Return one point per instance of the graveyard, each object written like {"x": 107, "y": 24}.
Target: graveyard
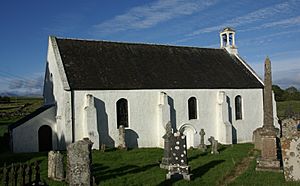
{"x": 233, "y": 165}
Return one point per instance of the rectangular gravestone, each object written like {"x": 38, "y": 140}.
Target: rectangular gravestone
{"x": 167, "y": 145}
{"x": 79, "y": 163}
{"x": 178, "y": 164}
{"x": 290, "y": 147}
{"x": 55, "y": 166}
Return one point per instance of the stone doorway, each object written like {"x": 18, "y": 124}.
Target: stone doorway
{"x": 45, "y": 138}
{"x": 189, "y": 131}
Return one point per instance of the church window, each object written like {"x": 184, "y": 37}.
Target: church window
{"x": 238, "y": 108}
{"x": 122, "y": 112}
{"x": 192, "y": 108}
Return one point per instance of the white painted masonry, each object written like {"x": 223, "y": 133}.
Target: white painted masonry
{"x": 92, "y": 113}
{"x": 25, "y": 136}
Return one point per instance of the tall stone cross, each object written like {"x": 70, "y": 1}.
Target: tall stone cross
{"x": 202, "y": 146}
{"x": 167, "y": 147}
{"x": 265, "y": 137}
{"x": 268, "y": 101}
{"x": 268, "y": 128}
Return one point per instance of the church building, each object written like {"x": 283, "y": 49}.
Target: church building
{"x": 92, "y": 87}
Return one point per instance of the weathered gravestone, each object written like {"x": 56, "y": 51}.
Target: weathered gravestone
{"x": 202, "y": 146}
{"x": 167, "y": 147}
{"x": 178, "y": 167}
{"x": 268, "y": 128}
{"x": 290, "y": 147}
{"x": 214, "y": 145}
{"x": 79, "y": 163}
{"x": 265, "y": 137}
{"x": 122, "y": 142}
{"x": 55, "y": 165}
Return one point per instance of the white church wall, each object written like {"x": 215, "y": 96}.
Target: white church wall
{"x": 25, "y": 136}
{"x": 55, "y": 91}
{"x": 144, "y": 107}
{"x": 252, "y": 113}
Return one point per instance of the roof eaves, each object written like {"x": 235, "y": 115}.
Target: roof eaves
{"x": 30, "y": 116}
{"x": 249, "y": 68}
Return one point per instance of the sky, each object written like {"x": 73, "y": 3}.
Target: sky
{"x": 263, "y": 28}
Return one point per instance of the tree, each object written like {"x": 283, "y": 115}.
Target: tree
{"x": 291, "y": 90}
{"x": 278, "y": 93}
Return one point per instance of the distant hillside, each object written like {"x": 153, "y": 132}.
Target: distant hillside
{"x": 20, "y": 94}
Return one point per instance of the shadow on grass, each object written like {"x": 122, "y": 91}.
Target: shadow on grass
{"x": 101, "y": 175}
{"x": 197, "y": 156}
{"x": 10, "y": 158}
{"x": 198, "y": 172}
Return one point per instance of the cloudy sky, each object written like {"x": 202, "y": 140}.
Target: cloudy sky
{"x": 263, "y": 28}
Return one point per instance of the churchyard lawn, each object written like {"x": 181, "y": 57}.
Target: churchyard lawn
{"x": 235, "y": 165}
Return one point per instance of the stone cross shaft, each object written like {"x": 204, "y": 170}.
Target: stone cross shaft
{"x": 268, "y": 102}
{"x": 202, "y": 133}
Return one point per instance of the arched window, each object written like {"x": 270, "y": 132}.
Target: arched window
{"x": 192, "y": 106}
{"x": 122, "y": 112}
{"x": 238, "y": 108}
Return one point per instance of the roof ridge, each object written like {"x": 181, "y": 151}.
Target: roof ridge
{"x": 136, "y": 43}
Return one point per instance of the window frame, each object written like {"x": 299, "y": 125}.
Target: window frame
{"x": 192, "y": 108}
{"x": 122, "y": 117}
{"x": 238, "y": 106}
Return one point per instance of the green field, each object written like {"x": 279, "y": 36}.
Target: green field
{"x": 235, "y": 165}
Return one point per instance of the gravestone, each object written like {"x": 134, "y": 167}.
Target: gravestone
{"x": 265, "y": 138}
{"x": 202, "y": 146}
{"x": 103, "y": 147}
{"x": 214, "y": 145}
{"x": 79, "y": 163}
{"x": 268, "y": 128}
{"x": 178, "y": 167}
{"x": 122, "y": 143}
{"x": 55, "y": 166}
{"x": 290, "y": 147}
{"x": 167, "y": 146}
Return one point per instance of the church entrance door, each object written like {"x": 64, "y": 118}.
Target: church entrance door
{"x": 189, "y": 133}
{"x": 45, "y": 138}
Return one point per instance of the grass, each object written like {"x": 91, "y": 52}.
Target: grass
{"x": 141, "y": 166}
{"x": 252, "y": 177}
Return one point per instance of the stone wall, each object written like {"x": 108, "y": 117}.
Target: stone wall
{"x": 290, "y": 147}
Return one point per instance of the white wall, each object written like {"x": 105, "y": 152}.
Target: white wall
{"x": 143, "y": 114}
{"x": 54, "y": 92}
{"x": 25, "y": 136}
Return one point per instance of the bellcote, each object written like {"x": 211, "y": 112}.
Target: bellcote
{"x": 227, "y": 38}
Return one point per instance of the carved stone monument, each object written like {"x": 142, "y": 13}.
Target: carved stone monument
{"x": 122, "y": 143}
{"x": 268, "y": 128}
{"x": 265, "y": 137}
{"x": 55, "y": 165}
{"x": 79, "y": 163}
{"x": 214, "y": 145}
{"x": 167, "y": 146}
{"x": 202, "y": 146}
{"x": 178, "y": 167}
{"x": 290, "y": 147}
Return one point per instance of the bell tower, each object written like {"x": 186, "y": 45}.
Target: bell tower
{"x": 227, "y": 38}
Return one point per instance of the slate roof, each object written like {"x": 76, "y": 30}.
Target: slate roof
{"x": 29, "y": 116}
{"x": 103, "y": 65}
